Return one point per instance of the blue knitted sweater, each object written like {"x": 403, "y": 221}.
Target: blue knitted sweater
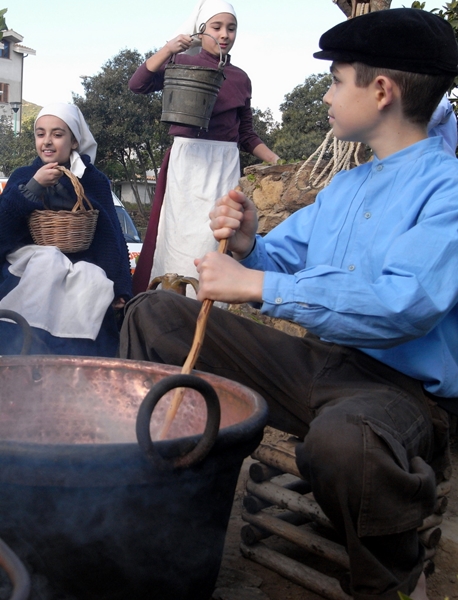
{"x": 108, "y": 249}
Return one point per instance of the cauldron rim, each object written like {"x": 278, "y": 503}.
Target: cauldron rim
{"x": 111, "y": 463}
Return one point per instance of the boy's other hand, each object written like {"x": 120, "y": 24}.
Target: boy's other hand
{"x": 48, "y": 175}
{"x": 223, "y": 279}
{"x": 234, "y": 216}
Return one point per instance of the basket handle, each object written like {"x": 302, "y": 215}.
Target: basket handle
{"x": 79, "y": 190}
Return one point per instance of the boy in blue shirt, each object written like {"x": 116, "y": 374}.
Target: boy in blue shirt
{"x": 371, "y": 271}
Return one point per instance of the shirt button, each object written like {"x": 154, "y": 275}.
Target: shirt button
{"x": 278, "y": 300}
{"x": 380, "y": 168}
{"x": 367, "y": 215}
{"x": 351, "y": 267}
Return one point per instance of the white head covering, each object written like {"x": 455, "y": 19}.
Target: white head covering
{"x": 204, "y": 10}
{"x": 73, "y": 117}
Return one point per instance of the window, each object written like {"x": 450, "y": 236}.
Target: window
{"x": 5, "y": 51}
{"x": 4, "y": 92}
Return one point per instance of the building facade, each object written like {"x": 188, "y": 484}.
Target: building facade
{"x": 12, "y": 56}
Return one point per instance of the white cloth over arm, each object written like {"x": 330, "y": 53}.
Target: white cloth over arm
{"x": 443, "y": 123}
{"x": 67, "y": 300}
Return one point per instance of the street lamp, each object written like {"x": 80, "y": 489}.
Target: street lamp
{"x": 15, "y": 106}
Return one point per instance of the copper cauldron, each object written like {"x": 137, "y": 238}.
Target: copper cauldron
{"x": 101, "y": 516}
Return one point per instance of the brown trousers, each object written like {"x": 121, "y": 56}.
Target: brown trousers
{"x": 369, "y": 434}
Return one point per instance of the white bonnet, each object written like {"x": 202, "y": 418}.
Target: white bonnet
{"x": 204, "y": 10}
{"x": 73, "y": 117}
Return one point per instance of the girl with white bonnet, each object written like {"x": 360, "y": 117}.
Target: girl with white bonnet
{"x": 70, "y": 300}
{"x": 201, "y": 165}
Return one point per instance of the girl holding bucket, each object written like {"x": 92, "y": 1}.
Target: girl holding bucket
{"x": 201, "y": 165}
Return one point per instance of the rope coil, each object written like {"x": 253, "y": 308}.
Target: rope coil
{"x": 343, "y": 154}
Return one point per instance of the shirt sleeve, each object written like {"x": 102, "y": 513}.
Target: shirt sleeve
{"x": 404, "y": 301}
{"x": 249, "y": 139}
{"x": 146, "y": 82}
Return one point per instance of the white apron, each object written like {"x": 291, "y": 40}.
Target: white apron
{"x": 199, "y": 172}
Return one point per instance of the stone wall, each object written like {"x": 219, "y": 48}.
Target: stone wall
{"x": 274, "y": 191}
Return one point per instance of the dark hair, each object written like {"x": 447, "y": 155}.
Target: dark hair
{"x": 420, "y": 93}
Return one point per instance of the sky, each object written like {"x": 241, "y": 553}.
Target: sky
{"x": 275, "y": 41}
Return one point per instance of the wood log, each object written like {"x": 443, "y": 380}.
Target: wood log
{"x": 304, "y": 537}
{"x": 260, "y": 472}
{"x": 441, "y": 505}
{"x": 428, "y": 567}
{"x": 251, "y": 534}
{"x": 430, "y": 538}
{"x": 429, "y": 553}
{"x": 443, "y": 488}
{"x": 254, "y": 504}
{"x": 431, "y": 521}
{"x": 278, "y": 458}
{"x": 317, "y": 582}
{"x": 289, "y": 499}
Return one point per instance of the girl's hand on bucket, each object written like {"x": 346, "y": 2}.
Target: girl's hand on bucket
{"x": 181, "y": 43}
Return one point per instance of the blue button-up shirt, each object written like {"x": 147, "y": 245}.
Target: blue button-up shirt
{"x": 373, "y": 264}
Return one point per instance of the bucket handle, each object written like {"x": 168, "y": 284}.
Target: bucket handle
{"x": 222, "y": 63}
{"x": 206, "y": 441}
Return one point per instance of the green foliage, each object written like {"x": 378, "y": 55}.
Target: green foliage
{"x": 449, "y": 12}
{"x": 3, "y": 25}
{"x": 130, "y": 136}
{"x": 304, "y": 119}
{"x": 266, "y": 127}
{"x": 15, "y": 150}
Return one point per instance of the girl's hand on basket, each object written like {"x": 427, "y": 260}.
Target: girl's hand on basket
{"x": 181, "y": 43}
{"x": 48, "y": 175}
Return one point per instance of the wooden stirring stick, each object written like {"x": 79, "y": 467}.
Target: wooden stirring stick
{"x": 194, "y": 352}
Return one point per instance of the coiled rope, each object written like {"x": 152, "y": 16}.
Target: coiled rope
{"x": 343, "y": 154}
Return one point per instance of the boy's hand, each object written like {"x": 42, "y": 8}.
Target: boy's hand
{"x": 48, "y": 175}
{"x": 223, "y": 279}
{"x": 234, "y": 217}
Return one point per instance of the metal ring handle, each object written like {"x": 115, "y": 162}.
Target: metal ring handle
{"x": 222, "y": 62}
{"x": 23, "y": 324}
{"x": 16, "y": 572}
{"x": 208, "y": 438}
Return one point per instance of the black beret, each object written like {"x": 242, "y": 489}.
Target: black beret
{"x": 405, "y": 39}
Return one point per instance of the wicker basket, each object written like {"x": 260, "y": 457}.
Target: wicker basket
{"x": 69, "y": 230}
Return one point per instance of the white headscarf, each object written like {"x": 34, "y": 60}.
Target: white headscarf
{"x": 204, "y": 10}
{"x": 73, "y": 117}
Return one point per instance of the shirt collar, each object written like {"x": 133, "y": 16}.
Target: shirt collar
{"x": 426, "y": 146}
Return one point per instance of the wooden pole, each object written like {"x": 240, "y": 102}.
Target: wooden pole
{"x": 288, "y": 499}
{"x": 282, "y": 459}
{"x": 317, "y": 582}
{"x": 251, "y": 534}
{"x": 253, "y": 504}
{"x": 192, "y": 356}
{"x": 303, "y": 536}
